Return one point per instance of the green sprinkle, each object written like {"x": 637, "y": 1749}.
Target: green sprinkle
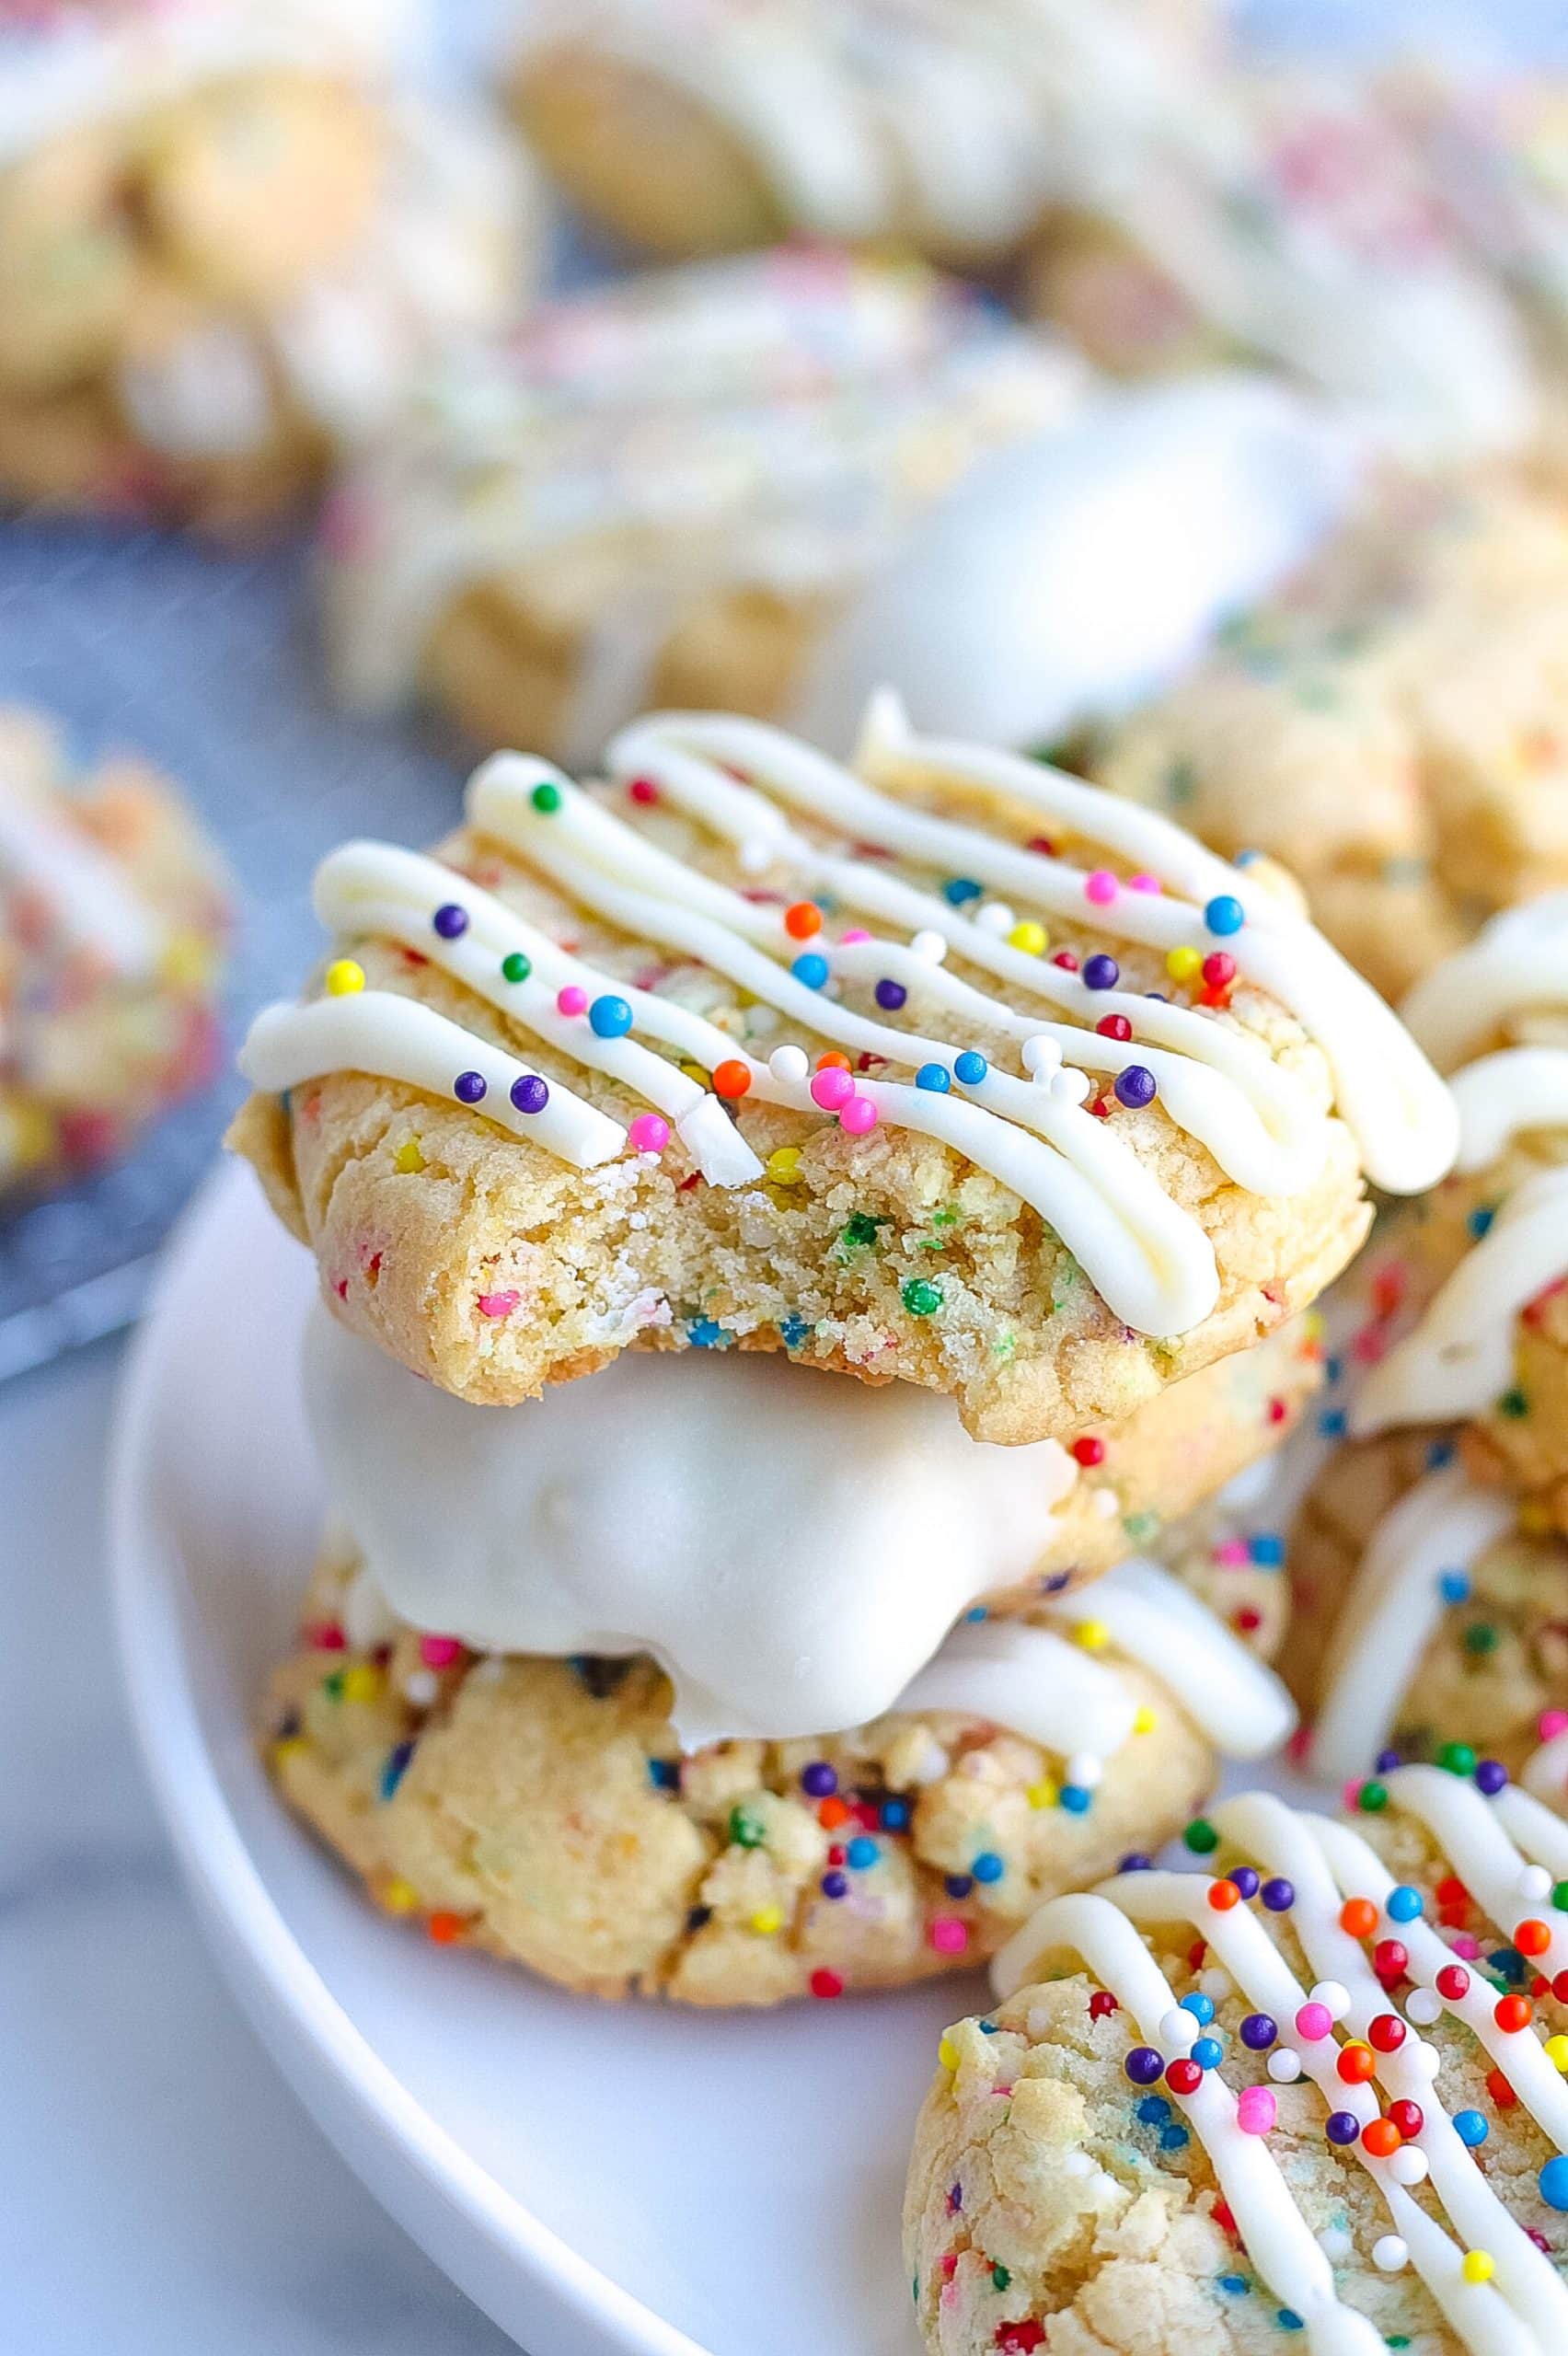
{"x": 1514, "y": 1403}
{"x": 944, "y": 1218}
{"x": 1201, "y": 1837}
{"x": 333, "y": 1685}
{"x": 747, "y": 1830}
{"x": 1180, "y": 782}
{"x": 1481, "y": 1637}
{"x": 1005, "y": 1345}
{"x": 1000, "y": 2277}
{"x": 1458, "y": 1757}
{"x": 546, "y": 800}
{"x": 1140, "y": 1527}
{"x": 1560, "y": 1895}
{"x": 517, "y": 967}
{"x": 920, "y": 1298}
{"x": 857, "y": 1230}
{"x": 1373, "y": 1798}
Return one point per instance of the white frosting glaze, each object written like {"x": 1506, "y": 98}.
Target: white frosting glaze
{"x": 793, "y": 1557}
{"x": 1152, "y": 1261}
{"x": 1545, "y": 1773}
{"x": 88, "y": 899}
{"x": 1393, "y": 1611}
{"x": 1493, "y": 1847}
{"x": 1518, "y": 960}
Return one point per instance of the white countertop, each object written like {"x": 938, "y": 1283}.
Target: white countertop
{"x": 161, "y": 2192}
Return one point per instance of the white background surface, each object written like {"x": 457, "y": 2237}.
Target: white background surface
{"x": 161, "y": 2191}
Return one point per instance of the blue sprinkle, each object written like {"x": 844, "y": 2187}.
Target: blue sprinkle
{"x": 1267, "y": 1547}
{"x": 1235, "y": 2283}
{"x": 1199, "y": 2006}
{"x": 1441, "y": 1452}
{"x": 1246, "y": 858}
{"x": 794, "y": 1330}
{"x": 1470, "y": 2127}
{"x": 1075, "y": 1799}
{"x": 1479, "y": 1219}
{"x": 1454, "y": 1586}
{"x": 1402, "y": 1904}
{"x": 1508, "y": 1963}
{"x": 664, "y": 1774}
{"x": 896, "y": 1816}
{"x": 935, "y": 1077}
{"x": 609, "y": 1017}
{"x": 1154, "y": 2111}
{"x": 811, "y": 969}
{"x": 1334, "y": 1424}
{"x": 988, "y": 1866}
{"x": 862, "y": 1851}
{"x": 1207, "y": 2052}
{"x": 1171, "y": 2138}
{"x": 836, "y": 1885}
{"x": 959, "y": 888}
{"x": 707, "y": 1333}
{"x": 976, "y": 1612}
{"x": 1289, "y": 2320}
{"x": 970, "y": 1067}
{"x": 1553, "y": 2182}
{"x": 392, "y": 1773}
{"x": 1225, "y": 913}
{"x": 988, "y": 2028}
{"x": 1333, "y": 1369}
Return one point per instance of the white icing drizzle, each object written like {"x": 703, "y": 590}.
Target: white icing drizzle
{"x": 1459, "y": 1359}
{"x": 793, "y": 1557}
{"x": 1545, "y": 1773}
{"x": 89, "y": 900}
{"x": 1519, "y": 959}
{"x": 1502, "y": 1095}
{"x": 1393, "y": 1611}
{"x": 1493, "y": 1847}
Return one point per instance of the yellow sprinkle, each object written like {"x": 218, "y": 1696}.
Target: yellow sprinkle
{"x": 31, "y": 1139}
{"x": 783, "y": 1165}
{"x": 363, "y": 1683}
{"x": 947, "y": 2054}
{"x": 1046, "y": 1793}
{"x": 1145, "y": 1721}
{"x": 344, "y": 977}
{"x": 766, "y": 1921}
{"x": 1312, "y": 1326}
{"x": 1031, "y": 938}
{"x": 1556, "y": 2051}
{"x": 407, "y": 1158}
{"x": 1092, "y": 1634}
{"x": 293, "y": 1746}
{"x": 1535, "y": 1519}
{"x": 699, "y": 1072}
{"x": 399, "y": 1897}
{"x": 1477, "y": 2266}
{"x": 1181, "y": 965}
{"x": 188, "y": 959}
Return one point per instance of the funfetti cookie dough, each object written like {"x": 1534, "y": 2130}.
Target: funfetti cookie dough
{"x": 629, "y": 1062}
{"x": 227, "y": 238}
{"x": 113, "y": 914}
{"x": 1309, "y": 2095}
{"x": 1390, "y": 726}
{"x": 666, "y": 491}
{"x": 547, "y": 1811}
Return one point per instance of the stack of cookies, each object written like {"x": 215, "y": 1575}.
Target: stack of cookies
{"x": 784, "y": 1228}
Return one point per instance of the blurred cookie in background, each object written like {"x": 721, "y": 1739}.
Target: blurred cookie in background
{"x": 666, "y": 491}
{"x": 113, "y": 917}
{"x": 226, "y": 237}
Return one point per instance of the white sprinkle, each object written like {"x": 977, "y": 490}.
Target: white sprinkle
{"x": 1335, "y": 2244}
{"x": 1077, "y": 2164}
{"x": 1217, "y": 1985}
{"x": 1535, "y": 1883}
{"x": 789, "y": 1065}
{"x": 1178, "y": 2030}
{"x": 1333, "y": 1997}
{"x": 1424, "y": 2006}
{"x": 995, "y": 917}
{"x": 1084, "y": 1768}
{"x": 1408, "y": 2166}
{"x": 1071, "y": 1085}
{"x": 1390, "y": 2254}
{"x": 1284, "y": 2067}
{"x": 1041, "y": 1056}
{"x": 930, "y": 946}
{"x": 489, "y": 1671}
{"x": 753, "y": 857}
{"x": 421, "y": 1687}
{"x": 1426, "y": 2058}
{"x": 1104, "y": 1502}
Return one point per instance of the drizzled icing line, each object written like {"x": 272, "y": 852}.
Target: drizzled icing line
{"x": 1508, "y": 1852}
{"x": 87, "y": 897}
{"x": 1150, "y": 1261}
{"x": 1519, "y": 959}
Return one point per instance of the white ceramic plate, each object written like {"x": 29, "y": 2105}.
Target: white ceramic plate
{"x": 600, "y": 2179}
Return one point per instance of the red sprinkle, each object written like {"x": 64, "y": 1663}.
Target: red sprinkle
{"x": 1089, "y": 1450}
{"x": 826, "y": 1983}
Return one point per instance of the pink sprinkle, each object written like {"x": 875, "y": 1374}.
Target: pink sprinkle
{"x": 1551, "y": 1724}
{"x": 832, "y": 1087}
{"x": 1368, "y": 1345}
{"x": 439, "y": 1652}
{"x": 1101, "y": 886}
{"x": 1350, "y": 1793}
{"x": 1314, "y": 2022}
{"x": 1144, "y": 884}
{"x": 571, "y": 999}
{"x": 858, "y": 1116}
{"x": 326, "y": 1636}
{"x": 1467, "y": 1947}
{"x": 856, "y": 932}
{"x": 1232, "y": 1553}
{"x": 1255, "y": 2111}
{"x": 498, "y": 1304}
{"x": 649, "y": 1132}
{"x": 948, "y": 1935}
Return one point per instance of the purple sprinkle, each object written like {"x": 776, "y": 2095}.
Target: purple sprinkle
{"x": 1135, "y": 1087}
{"x": 891, "y": 994}
{"x": 959, "y": 1884}
{"x": 834, "y": 1885}
{"x": 1342, "y": 2127}
{"x": 820, "y": 1779}
{"x": 1144, "y": 2065}
{"x": 1247, "y": 1879}
{"x": 530, "y": 1094}
{"x": 1100, "y": 973}
{"x": 1387, "y": 1761}
{"x": 1136, "y": 1861}
{"x": 1491, "y": 1775}
{"x": 470, "y": 1088}
{"x": 1278, "y": 1894}
{"x": 1258, "y": 2032}
{"x": 450, "y": 920}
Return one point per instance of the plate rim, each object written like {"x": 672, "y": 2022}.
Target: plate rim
{"x": 265, "y": 1969}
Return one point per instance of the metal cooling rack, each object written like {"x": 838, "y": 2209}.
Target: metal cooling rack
{"x": 207, "y": 663}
